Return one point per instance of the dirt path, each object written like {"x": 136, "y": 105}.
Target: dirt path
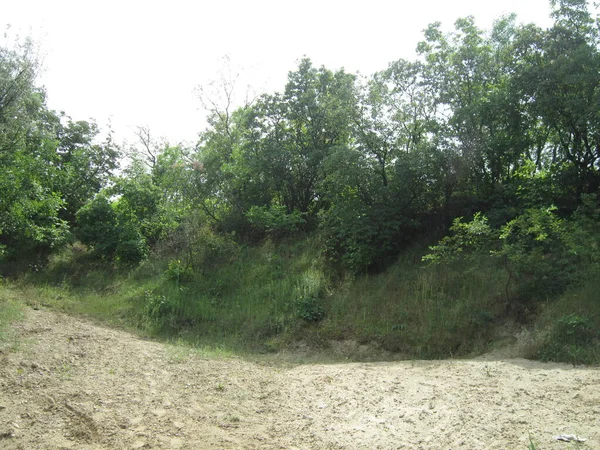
{"x": 75, "y": 385}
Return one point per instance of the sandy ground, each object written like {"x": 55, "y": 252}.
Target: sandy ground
{"x": 75, "y": 385}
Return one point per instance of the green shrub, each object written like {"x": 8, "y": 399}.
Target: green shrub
{"x": 97, "y": 226}
{"x": 275, "y": 220}
{"x": 160, "y": 309}
{"x": 310, "y": 309}
{"x": 110, "y": 232}
{"x": 178, "y": 271}
{"x": 572, "y": 339}
{"x": 541, "y": 253}
{"x": 132, "y": 247}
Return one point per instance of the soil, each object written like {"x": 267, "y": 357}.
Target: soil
{"x": 75, "y": 385}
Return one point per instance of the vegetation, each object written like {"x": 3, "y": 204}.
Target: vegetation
{"x": 11, "y": 310}
{"x": 420, "y": 209}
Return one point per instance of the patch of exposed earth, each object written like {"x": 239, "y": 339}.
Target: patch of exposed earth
{"x": 77, "y": 385}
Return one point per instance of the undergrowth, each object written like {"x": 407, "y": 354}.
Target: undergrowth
{"x": 568, "y": 329}
{"x": 11, "y": 311}
{"x": 275, "y": 296}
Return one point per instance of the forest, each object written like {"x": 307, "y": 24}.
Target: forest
{"x": 432, "y": 209}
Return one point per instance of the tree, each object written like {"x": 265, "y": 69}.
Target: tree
{"x": 29, "y": 206}
{"x": 271, "y": 152}
{"x": 560, "y": 81}
{"x": 85, "y": 165}
{"x": 480, "y": 108}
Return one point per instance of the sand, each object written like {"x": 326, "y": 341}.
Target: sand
{"x": 72, "y": 384}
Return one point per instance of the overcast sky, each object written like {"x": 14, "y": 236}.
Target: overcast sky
{"x": 138, "y": 62}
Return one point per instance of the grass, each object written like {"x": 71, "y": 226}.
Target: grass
{"x": 532, "y": 445}
{"x": 237, "y": 304}
{"x": 423, "y": 312}
{"x": 11, "y": 311}
{"x": 180, "y": 350}
{"x": 272, "y": 297}
{"x": 568, "y": 329}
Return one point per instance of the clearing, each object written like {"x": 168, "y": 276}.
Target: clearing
{"x": 75, "y": 385}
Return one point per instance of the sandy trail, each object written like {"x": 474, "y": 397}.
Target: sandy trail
{"x": 76, "y": 385}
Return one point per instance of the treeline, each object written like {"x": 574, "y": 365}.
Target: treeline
{"x": 500, "y": 127}
{"x": 50, "y": 166}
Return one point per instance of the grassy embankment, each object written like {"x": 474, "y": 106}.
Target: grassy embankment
{"x": 278, "y": 296}
{"x": 11, "y": 310}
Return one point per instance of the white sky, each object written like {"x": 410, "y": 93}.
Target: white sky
{"x": 138, "y": 62}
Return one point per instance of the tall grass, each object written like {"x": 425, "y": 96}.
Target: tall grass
{"x": 426, "y": 312}
{"x": 11, "y": 311}
{"x": 270, "y": 296}
{"x": 242, "y": 301}
{"x": 568, "y": 329}
{"x": 250, "y": 299}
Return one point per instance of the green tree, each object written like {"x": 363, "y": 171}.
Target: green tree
{"x": 271, "y": 152}
{"x": 29, "y": 204}
{"x": 85, "y": 165}
{"x": 560, "y": 81}
{"x": 481, "y": 117}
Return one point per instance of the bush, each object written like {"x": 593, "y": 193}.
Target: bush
{"x": 572, "y": 339}
{"x": 541, "y": 253}
{"x": 178, "y": 271}
{"x": 361, "y": 237}
{"x": 119, "y": 230}
{"x": 159, "y": 309}
{"x": 97, "y": 226}
{"x": 275, "y": 220}
{"x": 310, "y": 310}
{"x": 132, "y": 247}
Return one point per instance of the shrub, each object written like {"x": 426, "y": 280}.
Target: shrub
{"x": 310, "y": 309}
{"x": 275, "y": 220}
{"x": 161, "y": 310}
{"x": 178, "y": 271}
{"x": 538, "y": 251}
{"x": 132, "y": 247}
{"x": 572, "y": 339}
{"x": 97, "y": 226}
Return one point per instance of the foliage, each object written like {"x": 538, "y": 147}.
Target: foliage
{"x": 537, "y": 250}
{"x": 367, "y": 222}
{"x": 85, "y": 164}
{"x": 50, "y": 165}
{"x": 471, "y": 239}
{"x": 487, "y": 142}
{"x": 98, "y": 226}
{"x": 311, "y": 310}
{"x": 159, "y": 308}
{"x": 132, "y": 246}
{"x": 178, "y": 271}
{"x": 572, "y": 339}
{"x": 110, "y": 231}
{"x": 274, "y": 220}
{"x": 206, "y": 249}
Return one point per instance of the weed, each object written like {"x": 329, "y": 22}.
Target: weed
{"x": 11, "y": 311}
{"x": 310, "y": 310}
{"x": 159, "y": 307}
{"x": 488, "y": 370}
{"x": 573, "y": 337}
{"x": 178, "y": 271}
{"x": 532, "y": 445}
